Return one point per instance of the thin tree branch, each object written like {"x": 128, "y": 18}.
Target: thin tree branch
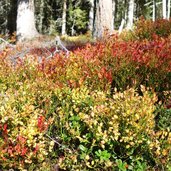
{"x": 55, "y": 141}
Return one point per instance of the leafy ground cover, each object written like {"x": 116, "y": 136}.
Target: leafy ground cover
{"x": 105, "y": 106}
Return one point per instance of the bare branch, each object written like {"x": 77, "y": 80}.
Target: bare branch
{"x": 3, "y": 40}
{"x": 6, "y": 43}
{"x": 55, "y": 141}
{"x": 60, "y": 44}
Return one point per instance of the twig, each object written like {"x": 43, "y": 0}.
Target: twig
{"x": 6, "y": 42}
{"x": 3, "y": 40}
{"x": 51, "y": 54}
{"x": 58, "y": 44}
{"x": 57, "y": 142}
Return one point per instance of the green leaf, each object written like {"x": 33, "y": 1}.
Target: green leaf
{"x": 83, "y": 148}
{"x": 74, "y": 118}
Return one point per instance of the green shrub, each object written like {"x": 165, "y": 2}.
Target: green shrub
{"x": 94, "y": 130}
{"x": 163, "y": 118}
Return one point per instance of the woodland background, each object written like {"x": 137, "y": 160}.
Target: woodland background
{"x": 75, "y": 17}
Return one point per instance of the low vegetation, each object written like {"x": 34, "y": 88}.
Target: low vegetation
{"x": 104, "y": 106}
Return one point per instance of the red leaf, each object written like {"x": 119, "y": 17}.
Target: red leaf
{"x": 36, "y": 149}
{"x": 24, "y": 151}
{"x": 5, "y": 129}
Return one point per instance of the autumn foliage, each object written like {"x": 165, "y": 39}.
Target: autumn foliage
{"x": 105, "y": 106}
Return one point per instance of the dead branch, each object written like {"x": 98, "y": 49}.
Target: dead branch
{"x": 6, "y": 42}
{"x": 61, "y": 45}
{"x": 56, "y": 142}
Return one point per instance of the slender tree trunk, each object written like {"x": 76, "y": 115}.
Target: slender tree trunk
{"x": 103, "y": 18}
{"x": 130, "y": 14}
{"x": 6, "y": 17}
{"x": 164, "y": 9}
{"x": 91, "y": 16}
{"x": 114, "y": 10}
{"x": 64, "y": 17}
{"x": 168, "y": 11}
{"x": 121, "y": 26}
{"x": 41, "y": 16}
{"x": 12, "y": 17}
{"x": 26, "y": 28}
{"x": 72, "y": 28}
{"x": 124, "y": 17}
{"x": 115, "y": 13}
{"x": 154, "y": 10}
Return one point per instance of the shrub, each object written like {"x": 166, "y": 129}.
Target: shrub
{"x": 87, "y": 110}
{"x": 94, "y": 130}
{"x": 163, "y": 117}
{"x": 116, "y": 63}
{"x": 146, "y": 29}
{"x": 22, "y": 127}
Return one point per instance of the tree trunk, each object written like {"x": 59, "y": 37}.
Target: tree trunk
{"x": 168, "y": 11}
{"x": 40, "y": 25}
{"x": 121, "y": 26}
{"x": 4, "y": 7}
{"x": 164, "y": 9}
{"x": 91, "y": 15}
{"x": 103, "y": 18}
{"x": 115, "y": 13}
{"x": 154, "y": 10}
{"x": 114, "y": 10}
{"x": 64, "y": 17}
{"x": 124, "y": 17}
{"x": 12, "y": 17}
{"x": 26, "y": 28}
{"x": 130, "y": 14}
